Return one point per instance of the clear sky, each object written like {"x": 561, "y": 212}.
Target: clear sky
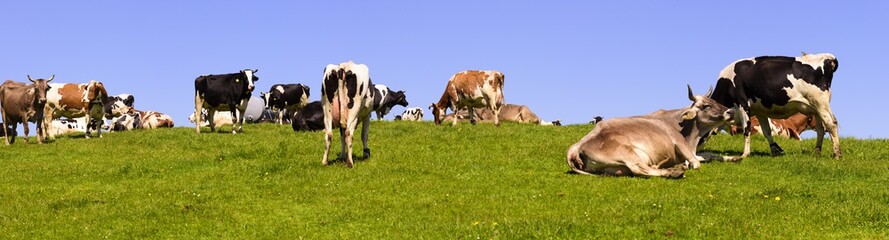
{"x": 568, "y": 60}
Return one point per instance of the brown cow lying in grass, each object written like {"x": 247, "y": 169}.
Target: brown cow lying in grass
{"x": 508, "y": 112}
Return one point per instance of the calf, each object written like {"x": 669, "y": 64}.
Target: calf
{"x": 468, "y": 90}
{"x": 657, "y": 144}
{"x": 310, "y": 118}
{"x": 23, "y": 103}
{"x": 384, "y": 99}
{"x": 224, "y": 92}
{"x": 290, "y": 97}
{"x": 412, "y": 114}
{"x": 73, "y": 100}
{"x": 778, "y": 87}
{"x": 346, "y": 102}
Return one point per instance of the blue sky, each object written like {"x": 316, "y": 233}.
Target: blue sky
{"x": 566, "y": 60}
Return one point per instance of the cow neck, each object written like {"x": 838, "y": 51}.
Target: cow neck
{"x": 689, "y": 129}
{"x": 444, "y": 102}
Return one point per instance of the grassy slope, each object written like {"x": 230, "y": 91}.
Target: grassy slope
{"x": 428, "y": 181}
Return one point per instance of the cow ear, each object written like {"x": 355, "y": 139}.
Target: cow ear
{"x": 689, "y": 114}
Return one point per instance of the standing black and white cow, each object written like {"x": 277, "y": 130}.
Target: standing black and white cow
{"x": 384, "y": 99}
{"x": 223, "y": 92}
{"x": 778, "y": 87}
{"x": 346, "y": 99}
{"x": 290, "y": 97}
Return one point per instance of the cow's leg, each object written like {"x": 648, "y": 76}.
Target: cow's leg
{"x": 47, "y": 121}
{"x": 328, "y": 129}
{"x": 198, "y": 105}
{"x": 767, "y": 132}
{"x": 690, "y": 156}
{"x": 744, "y": 119}
{"x": 25, "y": 126}
{"x": 281, "y": 117}
{"x": 5, "y": 127}
{"x": 365, "y": 126}
{"x": 87, "y": 121}
{"x": 237, "y": 115}
{"x": 471, "y": 111}
{"x": 639, "y": 166}
{"x": 346, "y": 143}
{"x": 496, "y": 110}
{"x": 825, "y": 121}
{"x": 210, "y": 116}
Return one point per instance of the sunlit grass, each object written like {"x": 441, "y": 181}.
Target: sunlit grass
{"x": 426, "y": 181}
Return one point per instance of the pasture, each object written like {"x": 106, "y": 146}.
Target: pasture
{"x": 426, "y": 181}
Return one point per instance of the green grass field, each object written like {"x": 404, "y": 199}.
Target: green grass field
{"x": 426, "y": 181}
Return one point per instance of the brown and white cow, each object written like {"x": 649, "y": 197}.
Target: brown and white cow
{"x": 73, "y": 100}
{"x": 471, "y": 89}
{"x": 791, "y": 127}
{"x": 509, "y": 113}
{"x": 220, "y": 119}
{"x": 23, "y": 103}
{"x": 346, "y": 101}
{"x": 658, "y": 144}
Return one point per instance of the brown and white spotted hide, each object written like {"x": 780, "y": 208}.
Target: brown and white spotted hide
{"x": 792, "y": 127}
{"x": 468, "y": 90}
{"x": 345, "y": 98}
{"x": 23, "y": 103}
{"x": 73, "y": 100}
{"x": 660, "y": 144}
{"x": 509, "y": 113}
{"x": 153, "y": 120}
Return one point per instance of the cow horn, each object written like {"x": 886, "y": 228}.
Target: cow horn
{"x": 256, "y": 70}
{"x": 804, "y": 53}
{"x": 691, "y": 96}
{"x": 29, "y": 79}
{"x": 709, "y": 91}
{"x": 50, "y": 78}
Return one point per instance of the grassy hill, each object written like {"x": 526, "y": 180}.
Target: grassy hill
{"x": 426, "y": 181}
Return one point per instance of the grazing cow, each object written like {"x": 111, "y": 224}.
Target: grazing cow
{"x": 657, "y": 144}
{"x": 385, "y": 99}
{"x": 412, "y": 114}
{"x": 290, "y": 97}
{"x": 310, "y": 118}
{"x": 220, "y": 119}
{"x": 346, "y": 100}
{"x": 508, "y": 112}
{"x": 73, "y": 100}
{"x": 791, "y": 127}
{"x": 23, "y": 103}
{"x": 116, "y": 106}
{"x": 468, "y": 90}
{"x": 778, "y": 87}
{"x": 224, "y": 92}
{"x": 67, "y": 125}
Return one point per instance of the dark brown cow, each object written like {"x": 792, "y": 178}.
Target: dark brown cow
{"x": 471, "y": 89}
{"x": 73, "y": 100}
{"x": 23, "y": 103}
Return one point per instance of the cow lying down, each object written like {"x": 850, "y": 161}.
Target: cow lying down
{"x": 660, "y": 144}
{"x": 135, "y": 119}
{"x": 508, "y": 112}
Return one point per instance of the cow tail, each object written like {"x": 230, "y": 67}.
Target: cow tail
{"x": 574, "y": 160}
{"x": 3, "y": 113}
{"x": 342, "y": 94}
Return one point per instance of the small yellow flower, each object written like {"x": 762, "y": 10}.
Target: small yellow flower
{"x": 494, "y": 224}
{"x": 777, "y": 198}
{"x": 765, "y": 196}
{"x": 475, "y": 223}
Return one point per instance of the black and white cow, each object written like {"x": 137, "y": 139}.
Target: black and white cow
{"x": 67, "y": 125}
{"x": 779, "y": 87}
{"x": 412, "y": 114}
{"x": 310, "y": 118}
{"x": 224, "y": 92}
{"x": 384, "y": 99}
{"x": 290, "y": 97}
{"x": 346, "y": 99}
{"x": 115, "y": 106}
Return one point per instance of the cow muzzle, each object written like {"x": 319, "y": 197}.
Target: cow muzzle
{"x": 729, "y": 114}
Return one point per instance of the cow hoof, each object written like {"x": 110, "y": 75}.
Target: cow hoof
{"x": 776, "y": 150}
{"x": 367, "y": 153}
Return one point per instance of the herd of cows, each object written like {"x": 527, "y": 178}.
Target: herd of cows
{"x": 782, "y": 95}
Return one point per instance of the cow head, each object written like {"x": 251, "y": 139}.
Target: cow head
{"x": 250, "y": 74}
{"x": 41, "y": 86}
{"x": 266, "y": 97}
{"x": 116, "y": 106}
{"x": 95, "y": 92}
{"x": 400, "y": 98}
{"x": 437, "y": 113}
{"x": 706, "y": 111}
